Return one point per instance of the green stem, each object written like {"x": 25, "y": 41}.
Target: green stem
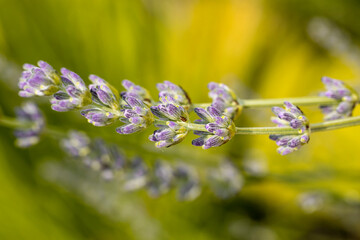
{"x": 335, "y": 124}
{"x": 259, "y": 103}
{"x": 12, "y": 123}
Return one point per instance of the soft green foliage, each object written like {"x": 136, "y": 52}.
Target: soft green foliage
{"x": 260, "y": 48}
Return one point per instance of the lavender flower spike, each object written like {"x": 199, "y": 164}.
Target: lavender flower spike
{"x": 74, "y": 93}
{"x": 175, "y": 92}
{"x": 220, "y": 129}
{"x": 38, "y": 81}
{"x": 340, "y": 91}
{"x": 135, "y": 91}
{"x": 292, "y": 117}
{"x": 107, "y": 108}
{"x": 174, "y": 131}
{"x": 34, "y": 123}
{"x": 224, "y": 99}
{"x": 137, "y": 116}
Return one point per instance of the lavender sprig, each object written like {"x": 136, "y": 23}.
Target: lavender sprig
{"x": 341, "y": 92}
{"x": 105, "y": 109}
{"x": 74, "y": 93}
{"x": 175, "y": 116}
{"x": 224, "y": 99}
{"x": 101, "y": 105}
{"x": 137, "y": 116}
{"x": 290, "y": 116}
{"x": 38, "y": 81}
{"x": 219, "y": 128}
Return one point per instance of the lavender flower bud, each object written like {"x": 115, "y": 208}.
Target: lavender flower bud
{"x": 34, "y": 123}
{"x": 99, "y": 117}
{"x": 74, "y": 95}
{"x": 160, "y": 179}
{"x": 169, "y": 89}
{"x": 39, "y": 81}
{"x": 169, "y": 135}
{"x": 137, "y": 116}
{"x": 187, "y": 181}
{"x": 170, "y": 110}
{"x": 340, "y": 91}
{"x": 135, "y": 91}
{"x": 225, "y": 181}
{"x": 292, "y": 117}
{"x": 103, "y": 93}
{"x": 77, "y": 144}
{"x": 224, "y": 99}
{"x": 220, "y": 129}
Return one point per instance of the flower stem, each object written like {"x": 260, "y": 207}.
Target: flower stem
{"x": 12, "y": 123}
{"x": 259, "y": 103}
{"x": 335, "y": 124}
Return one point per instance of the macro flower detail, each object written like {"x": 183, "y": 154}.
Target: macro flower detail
{"x": 219, "y": 128}
{"x": 30, "y": 116}
{"x": 77, "y": 144}
{"x": 137, "y": 116}
{"x": 168, "y": 135}
{"x": 174, "y": 130}
{"x": 224, "y": 99}
{"x": 225, "y": 181}
{"x": 187, "y": 182}
{"x": 136, "y": 91}
{"x": 292, "y": 117}
{"x": 177, "y": 93}
{"x": 38, "y": 81}
{"x": 73, "y": 95}
{"x": 340, "y": 91}
{"x": 105, "y": 109}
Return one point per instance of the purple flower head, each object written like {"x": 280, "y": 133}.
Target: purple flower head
{"x": 177, "y": 93}
{"x": 340, "y": 91}
{"x": 187, "y": 182}
{"x": 170, "y": 110}
{"x": 34, "y": 123}
{"x": 38, "y": 81}
{"x": 103, "y": 93}
{"x": 160, "y": 179}
{"x": 168, "y": 135}
{"x": 224, "y": 99}
{"x": 219, "y": 128}
{"x": 106, "y": 107}
{"x": 77, "y": 144}
{"x": 137, "y": 116}
{"x": 226, "y": 180}
{"x": 292, "y": 117}
{"x": 136, "y": 175}
{"x": 74, "y": 93}
{"x": 135, "y": 91}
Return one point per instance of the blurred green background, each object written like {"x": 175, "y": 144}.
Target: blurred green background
{"x": 262, "y": 49}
